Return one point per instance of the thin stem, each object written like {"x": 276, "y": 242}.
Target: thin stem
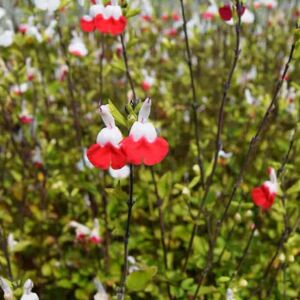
{"x": 194, "y": 104}
{"x": 125, "y": 58}
{"x": 162, "y": 226}
{"x": 220, "y": 125}
{"x": 130, "y": 203}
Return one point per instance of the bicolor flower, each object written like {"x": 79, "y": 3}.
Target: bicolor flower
{"x": 37, "y": 157}
{"x": 106, "y": 19}
{"x": 30, "y": 71}
{"x": 267, "y": 3}
{"x": 81, "y": 230}
{"x": 107, "y": 152}
{"x": 77, "y": 47}
{"x": 49, "y": 5}
{"x": 27, "y": 294}
{"x": 264, "y": 196}
{"x": 95, "y": 234}
{"x": 143, "y": 145}
{"x": 62, "y": 72}
{"x": 25, "y": 117}
{"x": 148, "y": 81}
{"x": 210, "y": 13}
{"x": 226, "y": 12}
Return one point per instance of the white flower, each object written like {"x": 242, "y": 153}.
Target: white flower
{"x": 8, "y": 294}
{"x": 81, "y": 230}
{"x": 229, "y": 294}
{"x": 101, "y": 293}
{"x": 120, "y": 173}
{"x": 77, "y": 47}
{"x": 11, "y": 242}
{"x": 49, "y": 5}
{"x": 27, "y": 294}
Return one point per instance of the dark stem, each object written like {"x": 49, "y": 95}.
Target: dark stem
{"x": 194, "y": 103}
{"x": 219, "y": 133}
{"x": 125, "y": 58}
{"x": 162, "y": 226}
{"x": 121, "y": 291}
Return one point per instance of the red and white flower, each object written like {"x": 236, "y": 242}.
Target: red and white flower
{"x": 81, "y": 230}
{"x": 77, "y": 47}
{"x": 108, "y": 151}
{"x": 30, "y": 71}
{"x": 62, "y": 72}
{"x": 95, "y": 237}
{"x": 143, "y": 145}
{"x": 264, "y": 196}
{"x": 226, "y": 12}
{"x": 148, "y": 81}
{"x": 37, "y": 157}
{"x": 106, "y": 19}
{"x": 266, "y": 3}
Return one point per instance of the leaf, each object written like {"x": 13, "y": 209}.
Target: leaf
{"x": 138, "y": 280}
{"x": 133, "y": 12}
{"x": 120, "y": 119}
{"x": 294, "y": 189}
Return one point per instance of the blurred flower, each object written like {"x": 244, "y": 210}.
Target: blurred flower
{"x": 30, "y": 71}
{"x": 95, "y": 234}
{"x": 19, "y": 89}
{"x": 101, "y": 293}
{"x": 211, "y": 12}
{"x": 133, "y": 267}
{"x": 50, "y": 30}
{"x": 25, "y": 117}
{"x": 108, "y": 151}
{"x": 11, "y": 242}
{"x": 8, "y": 294}
{"x": 7, "y": 35}
{"x": 61, "y": 72}
{"x": 143, "y": 145}
{"x": 148, "y": 81}
{"x": 37, "y": 157}
{"x": 120, "y": 173}
{"x": 77, "y": 47}
{"x": 264, "y": 195}
{"x": 81, "y": 230}
{"x": 49, "y": 5}
{"x": 107, "y": 19}
{"x": 229, "y": 294}
{"x": 27, "y": 294}
{"x": 267, "y": 3}
{"x": 84, "y": 162}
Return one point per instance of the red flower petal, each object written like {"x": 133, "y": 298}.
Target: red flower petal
{"x": 262, "y": 197}
{"x": 87, "y": 25}
{"x": 103, "y": 25}
{"x": 26, "y": 120}
{"x": 118, "y": 26}
{"x": 225, "y": 13}
{"x": 111, "y": 26}
{"x": 104, "y": 157}
{"x": 145, "y": 152}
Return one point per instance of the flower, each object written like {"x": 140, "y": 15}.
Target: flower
{"x": 8, "y": 294}
{"x": 30, "y": 71}
{"x": 94, "y": 236}
{"x": 37, "y": 157}
{"x": 101, "y": 293}
{"x": 108, "y": 151}
{"x": 229, "y": 294}
{"x": 7, "y": 36}
{"x": 19, "y": 90}
{"x": 120, "y": 173}
{"x": 25, "y": 117}
{"x": 264, "y": 195}
{"x": 210, "y": 13}
{"x": 106, "y": 19}
{"x": 225, "y": 12}
{"x": 143, "y": 145}
{"x": 49, "y": 5}
{"x": 77, "y": 47}
{"x": 27, "y": 294}
{"x": 81, "y": 230}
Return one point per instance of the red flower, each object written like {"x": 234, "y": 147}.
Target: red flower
{"x": 225, "y": 12}
{"x": 264, "y": 196}
{"x": 87, "y": 24}
{"x": 108, "y": 19}
{"x": 143, "y": 145}
{"x": 108, "y": 151}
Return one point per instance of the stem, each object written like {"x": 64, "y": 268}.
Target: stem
{"x": 130, "y": 203}
{"x": 194, "y": 104}
{"x": 162, "y": 226}
{"x": 3, "y": 240}
{"x": 125, "y": 58}
{"x": 220, "y": 125}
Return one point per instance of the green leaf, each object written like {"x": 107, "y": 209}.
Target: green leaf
{"x": 121, "y": 120}
{"x": 138, "y": 280}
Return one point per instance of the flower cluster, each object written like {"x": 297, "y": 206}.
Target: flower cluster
{"x": 264, "y": 196}
{"x": 106, "y": 19}
{"x": 141, "y": 146}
